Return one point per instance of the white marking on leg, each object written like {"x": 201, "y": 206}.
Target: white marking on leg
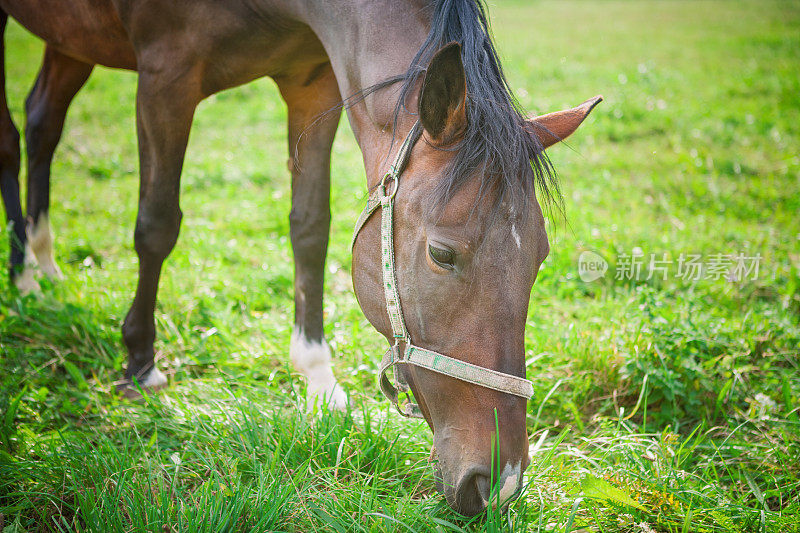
{"x": 154, "y": 379}
{"x": 313, "y": 360}
{"x": 40, "y": 241}
{"x": 25, "y": 281}
{"x": 509, "y": 483}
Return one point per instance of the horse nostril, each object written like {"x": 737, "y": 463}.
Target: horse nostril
{"x": 472, "y": 493}
{"x": 482, "y": 484}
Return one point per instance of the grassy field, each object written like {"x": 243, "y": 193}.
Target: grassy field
{"x": 661, "y": 404}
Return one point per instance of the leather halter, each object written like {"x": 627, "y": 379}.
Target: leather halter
{"x": 383, "y": 197}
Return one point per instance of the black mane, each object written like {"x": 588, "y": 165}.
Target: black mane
{"x": 512, "y": 162}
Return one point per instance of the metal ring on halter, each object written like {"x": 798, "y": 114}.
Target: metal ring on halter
{"x": 382, "y": 186}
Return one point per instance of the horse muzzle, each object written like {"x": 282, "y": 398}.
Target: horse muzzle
{"x": 472, "y": 491}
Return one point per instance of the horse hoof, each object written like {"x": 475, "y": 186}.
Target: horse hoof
{"x": 334, "y": 397}
{"x": 40, "y": 248}
{"x": 313, "y": 359}
{"x": 26, "y": 282}
{"x": 46, "y": 263}
{"x": 51, "y": 270}
{"x": 153, "y": 381}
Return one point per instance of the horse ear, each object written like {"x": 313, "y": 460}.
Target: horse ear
{"x": 554, "y": 127}
{"x": 442, "y": 103}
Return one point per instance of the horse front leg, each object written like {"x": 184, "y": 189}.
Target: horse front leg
{"x": 310, "y": 140}
{"x": 59, "y": 80}
{"x": 9, "y": 181}
{"x": 165, "y": 106}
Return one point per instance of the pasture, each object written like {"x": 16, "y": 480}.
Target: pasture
{"x": 664, "y": 402}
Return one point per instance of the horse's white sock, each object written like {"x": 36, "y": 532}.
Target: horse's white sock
{"x": 313, "y": 359}
{"x": 40, "y": 246}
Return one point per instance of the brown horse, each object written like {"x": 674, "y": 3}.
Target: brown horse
{"x": 468, "y": 235}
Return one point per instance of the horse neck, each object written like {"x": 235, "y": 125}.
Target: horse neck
{"x": 368, "y": 42}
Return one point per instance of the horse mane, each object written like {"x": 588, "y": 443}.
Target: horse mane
{"x": 512, "y": 162}
{"x": 496, "y": 144}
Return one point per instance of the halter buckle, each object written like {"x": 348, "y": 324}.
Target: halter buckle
{"x": 397, "y": 354}
{"x": 398, "y": 357}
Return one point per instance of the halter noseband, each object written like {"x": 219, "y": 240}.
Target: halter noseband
{"x": 383, "y": 197}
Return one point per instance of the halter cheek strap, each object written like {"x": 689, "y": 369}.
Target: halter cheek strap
{"x": 403, "y": 351}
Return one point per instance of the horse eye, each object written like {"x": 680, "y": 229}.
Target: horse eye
{"x": 442, "y": 257}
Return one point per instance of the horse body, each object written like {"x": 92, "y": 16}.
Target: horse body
{"x": 317, "y": 52}
{"x": 86, "y": 30}
{"x": 239, "y": 42}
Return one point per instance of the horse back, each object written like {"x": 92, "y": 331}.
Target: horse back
{"x": 87, "y": 30}
{"x": 234, "y": 42}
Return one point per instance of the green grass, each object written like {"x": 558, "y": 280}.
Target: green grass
{"x": 661, "y": 405}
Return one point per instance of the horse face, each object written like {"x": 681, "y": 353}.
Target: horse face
{"x": 464, "y": 274}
